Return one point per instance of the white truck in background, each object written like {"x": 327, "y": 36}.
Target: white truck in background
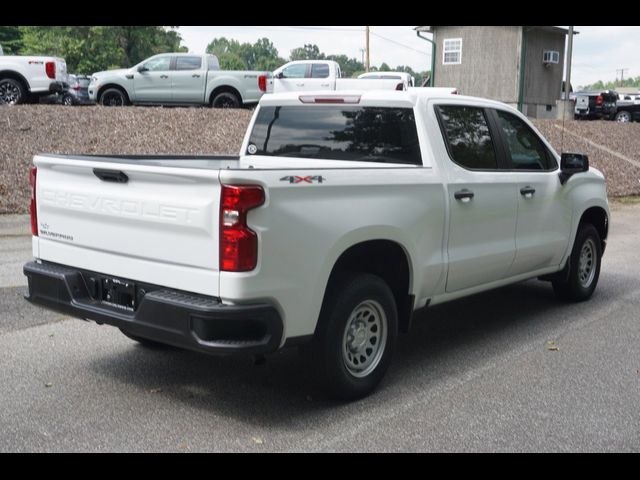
{"x": 309, "y": 75}
{"x": 25, "y": 78}
{"x": 342, "y": 214}
{"x": 178, "y": 79}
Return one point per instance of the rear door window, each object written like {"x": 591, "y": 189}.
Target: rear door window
{"x": 188, "y": 63}
{"x": 319, "y": 70}
{"x": 337, "y": 132}
{"x": 466, "y": 132}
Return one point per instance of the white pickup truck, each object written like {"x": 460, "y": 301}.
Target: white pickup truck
{"x": 178, "y": 79}
{"x": 341, "y": 216}
{"x": 24, "y": 79}
{"x": 310, "y": 75}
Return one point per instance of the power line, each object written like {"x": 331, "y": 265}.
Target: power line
{"x": 397, "y": 43}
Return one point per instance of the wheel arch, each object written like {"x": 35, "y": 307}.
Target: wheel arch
{"x": 16, "y": 76}
{"x": 599, "y": 218}
{"x": 386, "y": 259}
{"x": 225, "y": 89}
{"x": 104, "y": 88}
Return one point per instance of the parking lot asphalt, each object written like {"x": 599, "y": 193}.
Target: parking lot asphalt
{"x": 509, "y": 370}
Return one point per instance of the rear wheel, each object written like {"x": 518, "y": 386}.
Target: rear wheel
{"x": 623, "y": 117}
{"x": 579, "y": 283}
{"x": 67, "y": 100}
{"x": 356, "y": 336}
{"x": 113, "y": 97}
{"x": 225, "y": 100}
{"x": 12, "y": 92}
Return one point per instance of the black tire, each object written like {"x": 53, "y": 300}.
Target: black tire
{"x": 579, "y": 280}
{"x": 113, "y": 97}
{"x": 623, "y": 117}
{"x": 12, "y": 92}
{"x": 225, "y": 100}
{"x": 332, "y": 358}
{"x": 145, "y": 342}
{"x": 68, "y": 100}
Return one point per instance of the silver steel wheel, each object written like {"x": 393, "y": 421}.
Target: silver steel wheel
{"x": 587, "y": 263}
{"x": 623, "y": 117}
{"x": 364, "y": 338}
{"x": 9, "y": 93}
{"x": 67, "y": 100}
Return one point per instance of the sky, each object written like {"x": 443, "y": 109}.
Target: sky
{"x": 598, "y": 51}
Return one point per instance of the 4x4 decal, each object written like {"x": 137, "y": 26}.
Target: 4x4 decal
{"x": 307, "y": 179}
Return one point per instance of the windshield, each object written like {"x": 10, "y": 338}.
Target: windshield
{"x": 353, "y": 133}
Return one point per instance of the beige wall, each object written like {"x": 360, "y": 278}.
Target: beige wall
{"x": 490, "y": 61}
{"x": 543, "y": 84}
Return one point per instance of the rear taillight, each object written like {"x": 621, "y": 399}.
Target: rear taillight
{"x": 599, "y": 100}
{"x": 238, "y": 243}
{"x": 50, "y": 68}
{"x": 32, "y": 209}
{"x": 76, "y": 88}
{"x": 400, "y": 86}
{"x": 262, "y": 83}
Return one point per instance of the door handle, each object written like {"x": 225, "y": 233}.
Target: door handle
{"x": 195, "y": 75}
{"x": 325, "y": 85}
{"x": 465, "y": 195}
{"x": 527, "y": 192}
{"x": 299, "y": 84}
{"x": 164, "y": 76}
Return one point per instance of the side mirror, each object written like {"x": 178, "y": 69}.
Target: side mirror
{"x": 279, "y": 75}
{"x": 572, "y": 163}
{"x": 142, "y": 69}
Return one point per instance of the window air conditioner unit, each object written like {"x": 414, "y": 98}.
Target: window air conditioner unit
{"x": 550, "y": 57}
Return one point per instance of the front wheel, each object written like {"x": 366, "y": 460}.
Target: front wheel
{"x": 583, "y": 273}
{"x": 356, "y": 336}
{"x": 67, "y": 100}
{"x": 113, "y": 97}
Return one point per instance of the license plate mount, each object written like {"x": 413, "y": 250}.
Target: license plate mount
{"x": 119, "y": 293}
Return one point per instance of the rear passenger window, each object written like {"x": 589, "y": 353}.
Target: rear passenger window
{"x": 526, "y": 150}
{"x": 319, "y": 70}
{"x": 466, "y": 132}
{"x": 188, "y": 63}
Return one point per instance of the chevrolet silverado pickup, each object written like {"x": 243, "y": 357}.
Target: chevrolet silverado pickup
{"x": 309, "y": 75}
{"x": 178, "y": 79}
{"x": 342, "y": 215}
{"x": 24, "y": 79}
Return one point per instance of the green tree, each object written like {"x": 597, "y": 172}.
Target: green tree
{"x": 384, "y": 68}
{"x": 11, "y": 40}
{"x": 308, "y": 52}
{"x": 89, "y": 49}
{"x": 233, "y": 55}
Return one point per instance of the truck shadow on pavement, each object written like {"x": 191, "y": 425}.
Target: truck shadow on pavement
{"x": 446, "y": 340}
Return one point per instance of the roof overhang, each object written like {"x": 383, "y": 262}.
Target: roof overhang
{"x": 430, "y": 29}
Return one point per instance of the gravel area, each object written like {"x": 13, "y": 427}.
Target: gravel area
{"x": 30, "y": 129}
{"x": 623, "y": 177}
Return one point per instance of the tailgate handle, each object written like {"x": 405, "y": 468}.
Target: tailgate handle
{"x": 115, "y": 176}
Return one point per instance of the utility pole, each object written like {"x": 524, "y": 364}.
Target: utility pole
{"x": 367, "y": 65}
{"x": 567, "y": 85}
{"x": 362, "y": 50}
{"x": 621, "y": 70}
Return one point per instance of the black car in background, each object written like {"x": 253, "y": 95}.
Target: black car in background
{"x": 76, "y": 94}
{"x": 597, "y": 104}
{"x": 627, "y": 111}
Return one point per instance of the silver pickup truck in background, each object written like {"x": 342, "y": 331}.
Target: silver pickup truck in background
{"x": 178, "y": 79}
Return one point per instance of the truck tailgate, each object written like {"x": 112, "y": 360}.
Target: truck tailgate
{"x": 159, "y": 226}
